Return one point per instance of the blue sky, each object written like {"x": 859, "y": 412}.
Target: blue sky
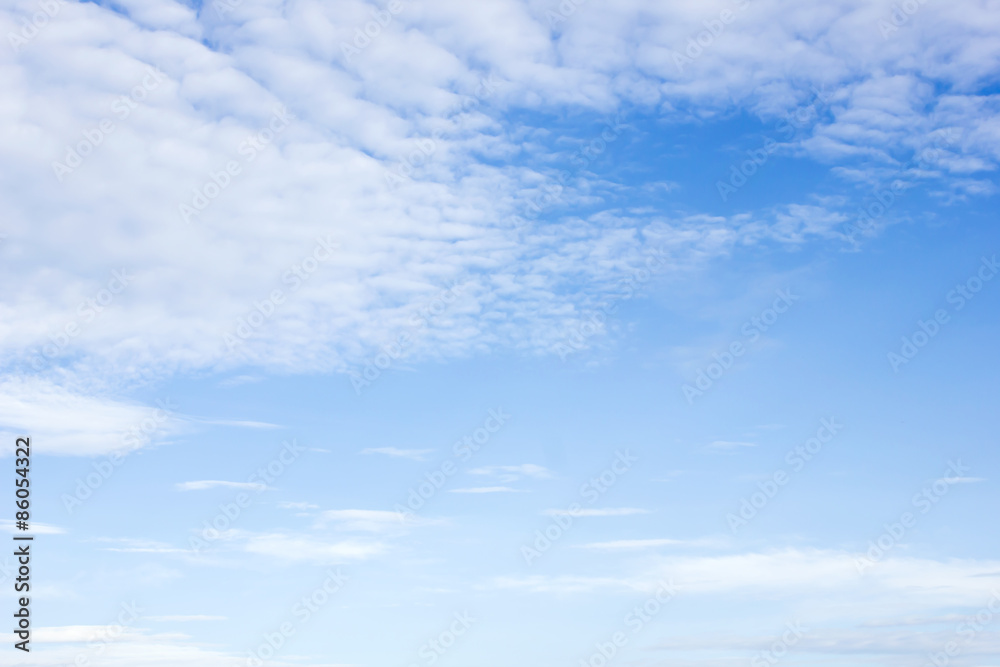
{"x": 504, "y": 339}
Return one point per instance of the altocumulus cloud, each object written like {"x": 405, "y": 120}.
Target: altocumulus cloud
{"x": 220, "y": 76}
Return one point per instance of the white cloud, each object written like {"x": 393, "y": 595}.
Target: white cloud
{"x": 728, "y": 445}
{"x": 133, "y": 545}
{"x": 81, "y": 422}
{"x": 827, "y": 580}
{"x": 607, "y": 511}
{"x": 486, "y": 489}
{"x": 284, "y": 504}
{"x": 294, "y": 548}
{"x": 414, "y": 454}
{"x": 833, "y": 641}
{"x": 961, "y": 480}
{"x": 79, "y": 633}
{"x": 508, "y": 474}
{"x": 239, "y": 380}
{"x": 239, "y": 423}
{"x": 453, "y": 222}
{"x": 39, "y": 528}
{"x": 670, "y": 476}
{"x": 202, "y": 485}
{"x": 561, "y": 584}
{"x": 450, "y": 223}
{"x": 629, "y": 545}
{"x": 131, "y": 648}
{"x": 363, "y": 520}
